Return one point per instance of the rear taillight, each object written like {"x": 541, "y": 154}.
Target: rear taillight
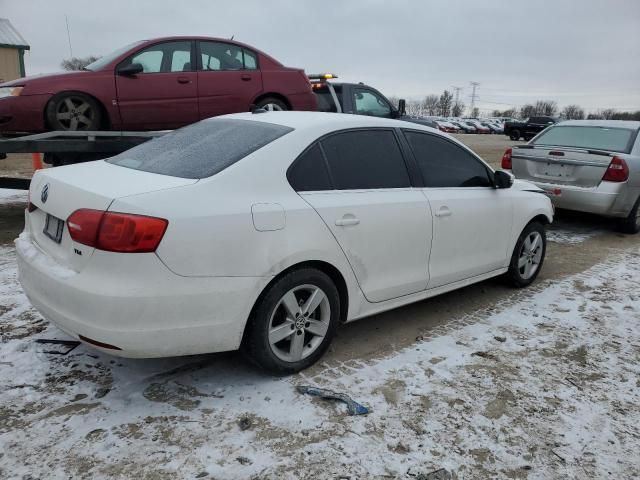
{"x": 618, "y": 171}
{"x": 116, "y": 232}
{"x": 30, "y": 206}
{"x": 507, "y": 163}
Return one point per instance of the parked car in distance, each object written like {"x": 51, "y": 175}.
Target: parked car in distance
{"x": 464, "y": 127}
{"x": 446, "y": 126}
{"x": 265, "y": 231}
{"x": 470, "y": 128}
{"x": 157, "y": 84}
{"x": 479, "y": 126}
{"x": 585, "y": 165}
{"x": 493, "y": 127}
{"x": 528, "y": 128}
{"x": 359, "y": 99}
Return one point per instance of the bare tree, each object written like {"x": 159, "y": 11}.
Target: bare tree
{"x": 548, "y": 108}
{"x": 608, "y": 113}
{"x": 475, "y": 113}
{"x": 573, "y": 112}
{"x": 394, "y": 101}
{"x": 527, "y": 111}
{"x": 445, "y": 103}
{"x": 77, "y": 63}
{"x": 458, "y": 109}
{"x": 414, "y": 108}
{"x": 430, "y": 104}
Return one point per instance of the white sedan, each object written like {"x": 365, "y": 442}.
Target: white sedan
{"x": 265, "y": 231}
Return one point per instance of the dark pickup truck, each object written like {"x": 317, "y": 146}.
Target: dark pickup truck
{"x": 358, "y": 99}
{"x": 529, "y": 128}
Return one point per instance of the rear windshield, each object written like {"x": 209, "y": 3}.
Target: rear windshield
{"x": 596, "y": 138}
{"x": 202, "y": 149}
{"x": 326, "y": 103}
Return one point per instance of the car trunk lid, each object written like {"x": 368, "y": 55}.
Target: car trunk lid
{"x": 57, "y": 192}
{"x": 560, "y": 165}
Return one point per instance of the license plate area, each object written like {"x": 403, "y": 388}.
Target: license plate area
{"x": 557, "y": 170}
{"x": 53, "y": 228}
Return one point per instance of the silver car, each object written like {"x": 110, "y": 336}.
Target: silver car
{"x": 585, "y": 165}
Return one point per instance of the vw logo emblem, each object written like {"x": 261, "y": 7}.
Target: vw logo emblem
{"x": 45, "y": 193}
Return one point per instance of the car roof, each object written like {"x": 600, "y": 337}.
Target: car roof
{"x": 325, "y": 120}
{"x": 631, "y": 124}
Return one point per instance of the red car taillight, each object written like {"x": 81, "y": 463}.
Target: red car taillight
{"x": 507, "y": 163}
{"x": 116, "y": 232}
{"x": 618, "y": 171}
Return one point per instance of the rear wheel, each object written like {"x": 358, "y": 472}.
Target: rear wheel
{"x": 514, "y": 135}
{"x": 631, "y": 224}
{"x": 528, "y": 255}
{"x": 272, "y": 104}
{"x": 294, "y": 322}
{"x": 73, "y": 111}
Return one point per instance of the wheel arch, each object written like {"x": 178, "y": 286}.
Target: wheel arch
{"x": 279, "y": 96}
{"x": 106, "y": 119}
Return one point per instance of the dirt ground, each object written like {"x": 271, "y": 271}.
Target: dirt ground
{"x": 484, "y": 382}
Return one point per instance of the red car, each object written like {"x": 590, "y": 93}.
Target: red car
{"x": 157, "y": 84}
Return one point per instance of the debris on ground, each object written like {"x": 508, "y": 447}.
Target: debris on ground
{"x": 353, "y": 407}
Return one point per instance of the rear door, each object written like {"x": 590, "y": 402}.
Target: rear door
{"x": 164, "y": 95}
{"x": 471, "y": 219}
{"x": 359, "y": 184}
{"x": 229, "y": 78}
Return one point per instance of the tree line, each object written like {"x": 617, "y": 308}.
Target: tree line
{"x": 549, "y": 108}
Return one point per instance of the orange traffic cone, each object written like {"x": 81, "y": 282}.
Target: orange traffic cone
{"x": 36, "y": 159}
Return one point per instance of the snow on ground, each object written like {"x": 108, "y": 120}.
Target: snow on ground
{"x": 8, "y": 195}
{"x": 546, "y": 387}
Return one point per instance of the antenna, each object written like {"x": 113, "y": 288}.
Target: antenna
{"x": 232, "y": 37}
{"x": 474, "y": 97}
{"x": 68, "y": 36}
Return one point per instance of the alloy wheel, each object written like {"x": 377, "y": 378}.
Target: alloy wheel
{"x": 299, "y": 322}
{"x": 530, "y": 255}
{"x": 273, "y": 107}
{"x": 74, "y": 113}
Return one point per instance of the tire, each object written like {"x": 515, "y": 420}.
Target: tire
{"x": 73, "y": 111}
{"x": 631, "y": 224}
{"x": 272, "y": 103}
{"x": 281, "y": 336}
{"x": 514, "y": 135}
{"x": 521, "y": 275}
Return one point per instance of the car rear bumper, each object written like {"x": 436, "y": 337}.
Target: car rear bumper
{"x": 133, "y": 302}
{"x": 608, "y": 198}
{"x": 24, "y": 113}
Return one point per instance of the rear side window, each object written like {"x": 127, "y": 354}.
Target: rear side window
{"x": 326, "y": 103}
{"x": 365, "y": 159}
{"x": 596, "y": 138}
{"x": 445, "y": 164}
{"x": 202, "y": 149}
{"x": 309, "y": 172}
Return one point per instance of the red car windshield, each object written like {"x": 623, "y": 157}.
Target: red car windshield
{"x": 102, "y": 61}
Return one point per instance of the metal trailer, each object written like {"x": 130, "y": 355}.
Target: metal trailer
{"x": 66, "y": 147}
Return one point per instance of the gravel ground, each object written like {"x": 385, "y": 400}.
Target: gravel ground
{"x": 485, "y": 382}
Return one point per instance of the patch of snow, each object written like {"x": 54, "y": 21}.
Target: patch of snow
{"x": 8, "y": 195}
{"x": 547, "y": 387}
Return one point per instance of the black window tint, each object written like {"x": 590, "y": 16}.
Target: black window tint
{"x": 445, "y": 164}
{"x": 309, "y": 172}
{"x": 202, "y": 149}
{"x": 365, "y": 159}
{"x": 221, "y": 56}
{"x": 326, "y": 103}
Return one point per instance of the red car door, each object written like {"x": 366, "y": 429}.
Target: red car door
{"x": 165, "y": 94}
{"x": 228, "y": 78}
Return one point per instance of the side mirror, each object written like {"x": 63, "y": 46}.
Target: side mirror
{"x": 402, "y": 107}
{"x": 502, "y": 179}
{"x": 131, "y": 69}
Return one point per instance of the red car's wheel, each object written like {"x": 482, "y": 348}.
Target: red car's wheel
{"x": 271, "y": 103}
{"x": 73, "y": 111}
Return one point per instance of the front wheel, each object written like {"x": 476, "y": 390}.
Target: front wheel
{"x": 528, "y": 255}
{"x": 294, "y": 322}
{"x": 73, "y": 111}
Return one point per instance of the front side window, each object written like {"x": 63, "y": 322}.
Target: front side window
{"x": 445, "y": 164}
{"x": 218, "y": 56}
{"x": 365, "y": 159}
{"x": 202, "y": 149}
{"x": 591, "y": 137}
{"x": 163, "y": 58}
{"x": 370, "y": 103}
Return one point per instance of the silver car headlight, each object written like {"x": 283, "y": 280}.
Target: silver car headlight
{"x": 10, "y": 91}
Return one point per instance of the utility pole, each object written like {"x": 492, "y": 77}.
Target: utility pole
{"x": 457, "y": 89}
{"x": 474, "y": 96}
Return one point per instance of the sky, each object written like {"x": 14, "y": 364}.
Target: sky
{"x": 585, "y": 52}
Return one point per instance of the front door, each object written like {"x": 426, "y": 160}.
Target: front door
{"x": 382, "y": 224}
{"x": 164, "y": 95}
{"x": 471, "y": 219}
{"x": 228, "y": 78}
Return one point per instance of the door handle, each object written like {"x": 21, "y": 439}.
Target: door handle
{"x": 183, "y": 80}
{"x": 347, "y": 220}
{"x": 245, "y": 77}
{"x": 443, "y": 212}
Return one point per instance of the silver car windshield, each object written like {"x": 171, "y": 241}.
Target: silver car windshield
{"x": 589, "y": 137}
